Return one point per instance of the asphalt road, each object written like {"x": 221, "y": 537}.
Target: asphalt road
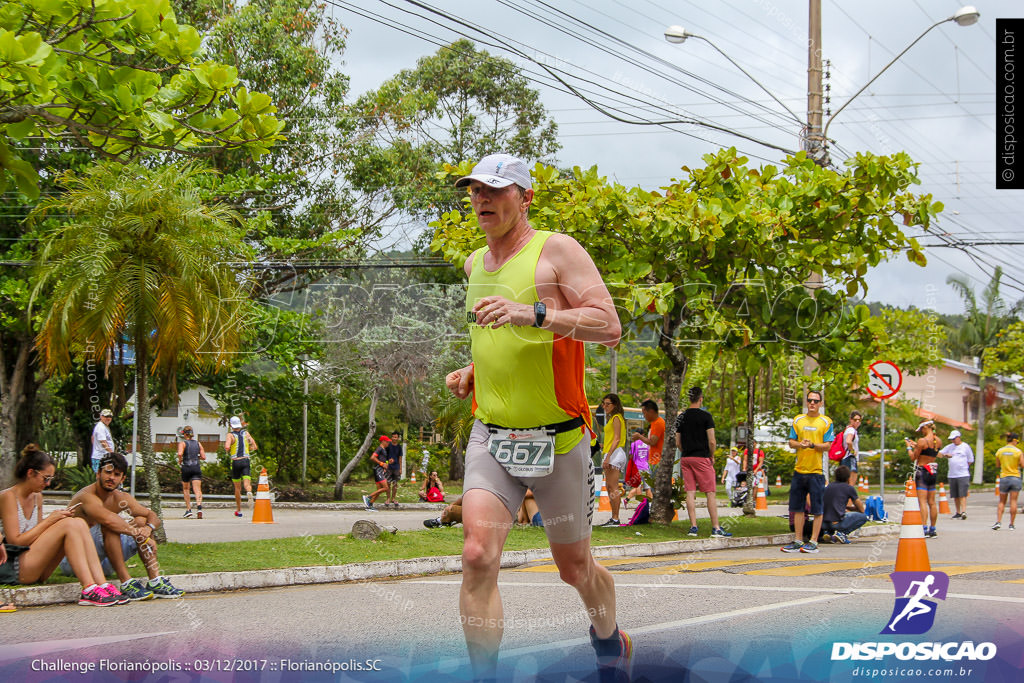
{"x": 754, "y": 614}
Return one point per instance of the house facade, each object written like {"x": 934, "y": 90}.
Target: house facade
{"x": 949, "y": 393}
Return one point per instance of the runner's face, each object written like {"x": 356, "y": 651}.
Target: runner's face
{"x": 498, "y": 209}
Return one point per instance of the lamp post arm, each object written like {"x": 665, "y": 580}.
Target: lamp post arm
{"x": 747, "y": 74}
{"x": 824, "y": 133}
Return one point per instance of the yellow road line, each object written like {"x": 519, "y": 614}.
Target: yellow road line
{"x": 661, "y": 569}
{"x": 814, "y": 568}
{"x": 702, "y": 566}
{"x": 954, "y": 570}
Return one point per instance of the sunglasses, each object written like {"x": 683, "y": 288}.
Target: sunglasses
{"x": 48, "y": 479}
{"x": 814, "y": 400}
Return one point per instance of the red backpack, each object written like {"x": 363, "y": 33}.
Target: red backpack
{"x": 838, "y": 450}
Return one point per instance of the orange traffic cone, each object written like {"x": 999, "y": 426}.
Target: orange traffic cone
{"x": 762, "y": 500}
{"x": 778, "y": 481}
{"x": 912, "y": 552}
{"x": 261, "y": 512}
{"x": 863, "y": 486}
{"x": 997, "y": 487}
{"x": 604, "y": 503}
{"x": 943, "y": 501}
{"x": 413, "y": 480}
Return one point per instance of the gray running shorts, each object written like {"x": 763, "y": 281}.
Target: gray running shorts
{"x": 959, "y": 486}
{"x": 565, "y": 497}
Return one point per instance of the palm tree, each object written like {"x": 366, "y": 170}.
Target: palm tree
{"x": 133, "y": 253}
{"x": 985, "y": 319}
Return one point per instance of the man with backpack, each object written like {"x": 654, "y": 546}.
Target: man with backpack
{"x": 846, "y": 447}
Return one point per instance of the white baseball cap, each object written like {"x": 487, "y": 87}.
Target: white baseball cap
{"x": 499, "y": 170}
{"x": 955, "y": 434}
{"x": 236, "y": 423}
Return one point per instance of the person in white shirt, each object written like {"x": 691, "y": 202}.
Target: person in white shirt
{"x": 102, "y": 439}
{"x": 851, "y": 442}
{"x": 960, "y": 458}
{"x": 732, "y": 468}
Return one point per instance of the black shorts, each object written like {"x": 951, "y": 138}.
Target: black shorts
{"x": 392, "y": 475}
{"x": 240, "y": 469}
{"x": 802, "y": 485}
{"x": 191, "y": 474}
{"x": 380, "y": 473}
{"x": 923, "y": 479}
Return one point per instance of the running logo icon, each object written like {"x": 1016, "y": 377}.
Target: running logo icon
{"x": 914, "y": 611}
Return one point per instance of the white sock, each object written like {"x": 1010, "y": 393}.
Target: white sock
{"x": 89, "y": 588}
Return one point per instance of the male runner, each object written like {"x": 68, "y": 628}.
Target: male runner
{"x": 534, "y": 298}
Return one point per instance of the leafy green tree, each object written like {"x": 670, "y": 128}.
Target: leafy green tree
{"x": 118, "y": 78}
{"x": 721, "y": 256}
{"x": 1007, "y": 356}
{"x": 300, "y": 205}
{"x": 980, "y": 331}
{"x": 457, "y": 105}
{"x": 139, "y": 258}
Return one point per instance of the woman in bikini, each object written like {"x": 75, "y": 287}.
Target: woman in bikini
{"x": 924, "y": 452}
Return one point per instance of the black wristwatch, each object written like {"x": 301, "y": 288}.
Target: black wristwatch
{"x": 539, "y": 313}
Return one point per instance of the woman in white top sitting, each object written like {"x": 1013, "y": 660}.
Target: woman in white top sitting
{"x": 35, "y": 545}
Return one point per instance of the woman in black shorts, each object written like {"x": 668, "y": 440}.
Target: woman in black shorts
{"x": 190, "y": 452}
{"x": 924, "y": 452}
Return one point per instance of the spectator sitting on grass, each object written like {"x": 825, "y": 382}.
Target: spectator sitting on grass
{"x": 432, "y": 490}
{"x": 117, "y": 539}
{"x": 38, "y": 544}
{"x": 452, "y": 514}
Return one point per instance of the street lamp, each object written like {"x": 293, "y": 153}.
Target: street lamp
{"x": 677, "y": 35}
{"x": 965, "y": 16}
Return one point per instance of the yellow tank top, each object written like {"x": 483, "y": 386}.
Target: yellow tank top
{"x": 523, "y": 376}
{"x": 609, "y": 433}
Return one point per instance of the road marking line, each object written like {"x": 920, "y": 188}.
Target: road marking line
{"x": 719, "y": 587}
{"x": 46, "y": 647}
{"x": 815, "y": 568}
{"x": 957, "y": 569}
{"x": 669, "y": 625}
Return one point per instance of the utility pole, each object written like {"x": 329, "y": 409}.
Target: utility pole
{"x": 814, "y": 141}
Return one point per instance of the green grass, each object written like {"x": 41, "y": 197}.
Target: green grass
{"x": 323, "y": 550}
{"x": 186, "y": 558}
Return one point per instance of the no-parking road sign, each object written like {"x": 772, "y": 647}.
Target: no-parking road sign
{"x": 884, "y": 379}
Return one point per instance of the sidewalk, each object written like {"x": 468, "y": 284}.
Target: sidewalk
{"x": 219, "y": 525}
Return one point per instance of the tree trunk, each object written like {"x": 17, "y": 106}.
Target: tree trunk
{"x": 979, "y": 445}
{"x": 457, "y": 463}
{"x": 364, "y": 448}
{"x": 662, "y": 509}
{"x": 12, "y": 391}
{"x": 749, "y": 509}
{"x": 146, "y": 437}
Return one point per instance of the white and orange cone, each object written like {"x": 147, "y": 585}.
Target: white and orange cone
{"x": 413, "y": 480}
{"x": 762, "y": 500}
{"x": 943, "y": 500}
{"x": 261, "y": 512}
{"x": 997, "y": 487}
{"x": 912, "y": 551}
{"x": 604, "y": 503}
{"x": 778, "y": 481}
{"x": 863, "y": 486}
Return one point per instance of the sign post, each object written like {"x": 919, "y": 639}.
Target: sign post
{"x": 884, "y": 382}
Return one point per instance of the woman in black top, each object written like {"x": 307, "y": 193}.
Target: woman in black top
{"x": 190, "y": 452}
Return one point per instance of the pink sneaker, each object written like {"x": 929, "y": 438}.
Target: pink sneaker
{"x": 112, "y": 591}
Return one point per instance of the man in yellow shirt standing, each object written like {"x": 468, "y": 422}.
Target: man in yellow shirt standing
{"x": 810, "y": 436}
{"x": 1011, "y": 459}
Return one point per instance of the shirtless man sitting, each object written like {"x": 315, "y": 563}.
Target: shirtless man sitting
{"x": 117, "y": 538}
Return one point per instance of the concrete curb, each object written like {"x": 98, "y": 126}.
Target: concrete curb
{"x": 56, "y": 594}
